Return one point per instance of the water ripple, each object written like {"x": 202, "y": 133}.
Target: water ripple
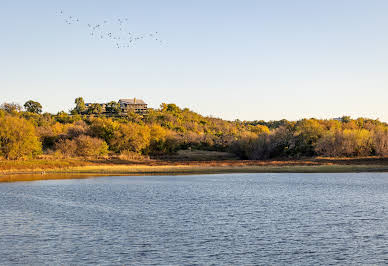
{"x": 206, "y": 219}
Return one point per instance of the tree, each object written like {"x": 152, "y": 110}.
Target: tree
{"x": 66, "y": 147}
{"x": 259, "y": 129}
{"x": 11, "y": 107}
{"x": 64, "y": 118}
{"x": 95, "y": 108}
{"x": 131, "y": 137}
{"x": 33, "y": 107}
{"x": 349, "y": 142}
{"x": 103, "y": 128}
{"x": 17, "y": 138}
{"x": 307, "y": 133}
{"x": 346, "y": 119}
{"x": 113, "y": 107}
{"x": 79, "y": 105}
{"x": 162, "y": 141}
{"x": 133, "y": 117}
{"x": 380, "y": 141}
{"x": 282, "y": 141}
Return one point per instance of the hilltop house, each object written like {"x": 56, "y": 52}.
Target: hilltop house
{"x": 136, "y": 105}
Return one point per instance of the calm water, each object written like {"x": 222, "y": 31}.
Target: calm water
{"x": 238, "y": 219}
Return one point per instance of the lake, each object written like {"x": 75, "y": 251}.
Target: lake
{"x": 238, "y": 219}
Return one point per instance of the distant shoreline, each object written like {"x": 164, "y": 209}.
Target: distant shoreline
{"x": 40, "y": 169}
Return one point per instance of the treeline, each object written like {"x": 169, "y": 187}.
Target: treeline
{"x": 26, "y": 132}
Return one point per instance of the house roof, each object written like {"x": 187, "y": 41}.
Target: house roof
{"x": 132, "y": 101}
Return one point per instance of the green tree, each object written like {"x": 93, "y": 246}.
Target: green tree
{"x": 95, "y": 108}
{"x": 33, "y": 107}
{"x": 113, "y": 107}
{"x": 346, "y": 119}
{"x": 133, "y": 117}
{"x": 79, "y": 105}
{"x": 65, "y": 118}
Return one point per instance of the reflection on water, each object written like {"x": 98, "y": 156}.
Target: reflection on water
{"x": 202, "y": 219}
{"x": 45, "y": 176}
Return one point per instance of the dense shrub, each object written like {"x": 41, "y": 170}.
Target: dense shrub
{"x": 88, "y": 146}
{"x": 84, "y": 146}
{"x": 66, "y": 147}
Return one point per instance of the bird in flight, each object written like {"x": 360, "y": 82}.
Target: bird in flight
{"x": 114, "y": 31}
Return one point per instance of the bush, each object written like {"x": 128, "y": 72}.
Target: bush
{"x": 88, "y": 146}
{"x": 66, "y": 147}
{"x": 83, "y": 146}
{"x": 77, "y": 129}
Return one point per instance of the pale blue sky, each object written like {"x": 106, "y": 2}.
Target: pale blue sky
{"x": 231, "y": 59}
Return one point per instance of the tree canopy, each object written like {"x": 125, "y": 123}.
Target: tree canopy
{"x": 33, "y": 107}
{"x": 79, "y": 106}
{"x": 170, "y": 128}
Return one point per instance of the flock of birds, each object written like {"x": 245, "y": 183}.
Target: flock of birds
{"x": 114, "y": 31}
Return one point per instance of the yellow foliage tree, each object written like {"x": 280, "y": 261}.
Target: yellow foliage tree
{"x": 18, "y": 138}
{"x": 131, "y": 137}
{"x": 259, "y": 129}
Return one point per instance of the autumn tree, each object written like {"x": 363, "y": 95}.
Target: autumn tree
{"x": 11, "y": 108}
{"x": 89, "y": 146}
{"x": 380, "y": 141}
{"x": 349, "y": 142}
{"x": 162, "y": 141}
{"x": 259, "y": 129}
{"x": 103, "y": 128}
{"x": 131, "y": 137}
{"x": 307, "y": 133}
{"x": 17, "y": 138}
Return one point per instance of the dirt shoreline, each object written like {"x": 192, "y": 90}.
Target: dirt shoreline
{"x": 67, "y": 169}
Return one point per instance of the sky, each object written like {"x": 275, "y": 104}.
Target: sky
{"x": 247, "y": 60}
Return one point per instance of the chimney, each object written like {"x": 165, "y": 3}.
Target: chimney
{"x": 134, "y": 100}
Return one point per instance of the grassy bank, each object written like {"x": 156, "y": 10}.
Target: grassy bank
{"x": 51, "y": 168}
{"x": 93, "y": 171}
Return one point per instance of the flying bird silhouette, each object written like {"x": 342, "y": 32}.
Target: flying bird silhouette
{"x": 115, "y": 32}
